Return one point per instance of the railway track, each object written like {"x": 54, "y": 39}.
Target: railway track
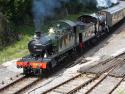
{"x": 22, "y": 83}
{"x": 93, "y": 82}
{"x": 10, "y": 81}
{"x": 102, "y": 85}
{"x": 82, "y": 83}
{"x": 87, "y": 82}
{"x": 19, "y": 85}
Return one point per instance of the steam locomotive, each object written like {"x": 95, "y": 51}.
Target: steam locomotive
{"x": 49, "y": 49}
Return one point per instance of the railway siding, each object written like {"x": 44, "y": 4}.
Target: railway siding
{"x": 18, "y": 85}
{"x": 106, "y": 86}
{"x": 11, "y": 81}
{"x": 94, "y": 80}
{"x": 71, "y": 84}
{"x": 85, "y": 89}
{"x": 101, "y": 83}
{"x": 103, "y": 66}
{"x": 119, "y": 71}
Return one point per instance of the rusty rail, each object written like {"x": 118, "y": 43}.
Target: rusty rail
{"x": 15, "y": 88}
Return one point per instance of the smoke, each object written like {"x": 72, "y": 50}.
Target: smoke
{"x": 114, "y": 1}
{"x": 43, "y": 8}
{"x": 106, "y": 3}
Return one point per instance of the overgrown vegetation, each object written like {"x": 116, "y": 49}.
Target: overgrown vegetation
{"x": 19, "y": 48}
{"x": 16, "y": 11}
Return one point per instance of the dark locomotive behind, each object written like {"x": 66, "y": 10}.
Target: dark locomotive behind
{"x": 48, "y": 50}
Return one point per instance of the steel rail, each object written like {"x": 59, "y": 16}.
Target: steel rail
{"x": 113, "y": 67}
{"x": 116, "y": 85}
{"x": 61, "y": 84}
{"x": 104, "y": 76}
{"x": 12, "y": 83}
{"x": 26, "y": 87}
{"x": 110, "y": 69}
{"x": 15, "y": 88}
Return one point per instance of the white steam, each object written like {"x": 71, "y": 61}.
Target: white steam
{"x": 114, "y": 1}
{"x": 106, "y": 3}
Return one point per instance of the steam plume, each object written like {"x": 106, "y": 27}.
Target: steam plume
{"x": 106, "y": 3}
{"x": 114, "y": 1}
{"x": 42, "y": 8}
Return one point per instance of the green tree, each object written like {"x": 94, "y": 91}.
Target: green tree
{"x": 16, "y": 10}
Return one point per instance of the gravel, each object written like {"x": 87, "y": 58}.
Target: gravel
{"x": 106, "y": 85}
{"x": 8, "y": 70}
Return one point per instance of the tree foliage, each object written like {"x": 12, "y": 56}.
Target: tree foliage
{"x": 73, "y": 6}
{"x": 15, "y": 10}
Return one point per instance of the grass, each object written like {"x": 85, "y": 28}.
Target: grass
{"x": 19, "y": 48}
